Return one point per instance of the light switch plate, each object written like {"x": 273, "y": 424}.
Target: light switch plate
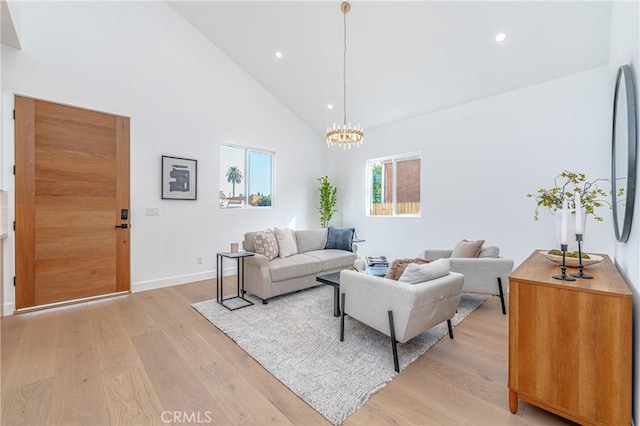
{"x": 153, "y": 211}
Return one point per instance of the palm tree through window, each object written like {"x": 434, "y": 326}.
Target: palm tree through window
{"x": 246, "y": 177}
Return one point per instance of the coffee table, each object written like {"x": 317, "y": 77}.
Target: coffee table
{"x": 332, "y": 279}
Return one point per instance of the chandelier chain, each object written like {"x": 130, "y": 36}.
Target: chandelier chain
{"x": 344, "y": 72}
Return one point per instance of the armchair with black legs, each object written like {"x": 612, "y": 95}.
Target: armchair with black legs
{"x": 399, "y": 309}
{"x": 486, "y": 274}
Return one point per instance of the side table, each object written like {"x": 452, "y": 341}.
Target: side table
{"x": 239, "y": 257}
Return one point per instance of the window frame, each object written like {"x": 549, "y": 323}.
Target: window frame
{"x": 369, "y": 183}
{"x": 247, "y": 150}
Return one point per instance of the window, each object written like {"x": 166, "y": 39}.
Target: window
{"x": 393, "y": 187}
{"x": 246, "y": 177}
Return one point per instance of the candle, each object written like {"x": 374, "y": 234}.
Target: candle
{"x": 578, "y": 203}
{"x": 563, "y": 223}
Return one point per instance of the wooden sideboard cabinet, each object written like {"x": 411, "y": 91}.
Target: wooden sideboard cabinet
{"x": 570, "y": 342}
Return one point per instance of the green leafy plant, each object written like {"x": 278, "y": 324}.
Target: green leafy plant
{"x": 265, "y": 200}
{"x": 565, "y": 187}
{"x": 328, "y": 200}
{"x": 376, "y": 184}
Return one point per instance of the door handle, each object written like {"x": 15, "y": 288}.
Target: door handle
{"x": 123, "y": 226}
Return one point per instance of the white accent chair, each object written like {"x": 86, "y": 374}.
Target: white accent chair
{"x": 486, "y": 274}
{"x": 398, "y": 309}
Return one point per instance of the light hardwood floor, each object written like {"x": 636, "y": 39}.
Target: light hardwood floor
{"x": 129, "y": 359}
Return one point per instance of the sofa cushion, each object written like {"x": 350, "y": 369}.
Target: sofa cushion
{"x": 286, "y": 242}
{"x": 311, "y": 239}
{"x": 331, "y": 259}
{"x": 340, "y": 238}
{"x": 265, "y": 243}
{"x": 466, "y": 248}
{"x": 399, "y": 265}
{"x": 296, "y": 266}
{"x": 414, "y": 273}
{"x": 489, "y": 251}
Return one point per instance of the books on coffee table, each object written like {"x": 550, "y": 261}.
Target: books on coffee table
{"x": 377, "y": 260}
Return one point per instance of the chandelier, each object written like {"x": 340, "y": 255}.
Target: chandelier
{"x": 345, "y": 135}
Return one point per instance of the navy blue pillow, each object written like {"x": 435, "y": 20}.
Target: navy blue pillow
{"x": 340, "y": 238}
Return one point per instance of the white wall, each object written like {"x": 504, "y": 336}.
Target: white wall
{"x": 625, "y": 49}
{"x": 184, "y": 97}
{"x": 478, "y": 162}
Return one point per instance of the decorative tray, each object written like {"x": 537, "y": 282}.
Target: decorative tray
{"x": 573, "y": 261}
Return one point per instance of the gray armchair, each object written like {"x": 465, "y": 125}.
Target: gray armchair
{"x": 398, "y": 309}
{"x": 487, "y": 274}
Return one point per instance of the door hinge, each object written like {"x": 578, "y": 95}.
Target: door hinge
{"x": 14, "y": 114}
{"x": 14, "y": 225}
{"x": 14, "y": 281}
{"x": 14, "y": 169}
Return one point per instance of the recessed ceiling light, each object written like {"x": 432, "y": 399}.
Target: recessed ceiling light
{"x": 500, "y": 37}
{"x": 330, "y": 106}
{"x": 278, "y": 54}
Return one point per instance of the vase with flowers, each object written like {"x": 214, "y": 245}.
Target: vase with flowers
{"x": 566, "y": 186}
{"x": 580, "y": 198}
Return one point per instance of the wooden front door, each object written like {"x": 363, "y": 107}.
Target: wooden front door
{"x": 72, "y": 186}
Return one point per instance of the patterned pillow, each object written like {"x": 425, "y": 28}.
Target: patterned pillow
{"x": 266, "y": 244}
{"x": 399, "y": 265}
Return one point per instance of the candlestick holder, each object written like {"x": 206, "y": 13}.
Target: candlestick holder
{"x": 580, "y": 274}
{"x": 563, "y": 268}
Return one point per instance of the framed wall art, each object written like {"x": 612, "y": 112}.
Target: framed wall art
{"x": 179, "y": 178}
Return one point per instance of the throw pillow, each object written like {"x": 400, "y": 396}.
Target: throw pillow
{"x": 415, "y": 273}
{"x": 466, "y": 248}
{"x": 266, "y": 244}
{"x": 340, "y": 238}
{"x": 286, "y": 242}
{"x": 399, "y": 265}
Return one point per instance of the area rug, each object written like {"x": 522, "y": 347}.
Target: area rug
{"x": 296, "y": 338}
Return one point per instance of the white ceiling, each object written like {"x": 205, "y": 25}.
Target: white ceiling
{"x": 8, "y": 32}
{"x": 404, "y": 58}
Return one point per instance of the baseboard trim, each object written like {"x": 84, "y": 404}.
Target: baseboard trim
{"x": 179, "y": 279}
{"x": 8, "y": 309}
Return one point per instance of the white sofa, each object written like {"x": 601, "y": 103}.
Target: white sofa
{"x": 398, "y": 309}
{"x": 486, "y": 274}
{"x": 266, "y": 279}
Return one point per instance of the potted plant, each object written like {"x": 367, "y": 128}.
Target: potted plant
{"x": 565, "y": 187}
{"x": 328, "y": 200}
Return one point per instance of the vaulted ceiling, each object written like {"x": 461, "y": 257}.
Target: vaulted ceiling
{"x": 404, "y": 59}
